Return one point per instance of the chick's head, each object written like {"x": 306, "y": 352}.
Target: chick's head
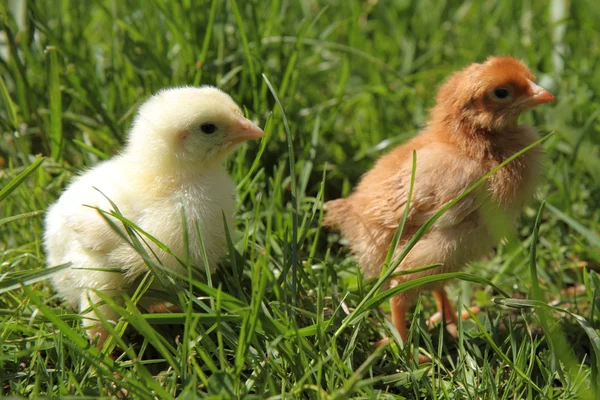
{"x": 196, "y": 125}
{"x": 491, "y": 95}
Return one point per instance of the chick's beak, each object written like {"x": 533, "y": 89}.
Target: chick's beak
{"x": 246, "y": 130}
{"x": 539, "y": 95}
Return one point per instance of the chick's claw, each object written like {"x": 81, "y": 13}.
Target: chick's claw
{"x": 446, "y": 312}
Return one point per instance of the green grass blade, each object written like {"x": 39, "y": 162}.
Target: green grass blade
{"x": 56, "y": 133}
{"x": 20, "y": 216}
{"x": 292, "y": 163}
{"x": 9, "y": 105}
{"x": 400, "y": 229}
{"x": 29, "y": 278}
{"x": 499, "y": 352}
{"x": 535, "y": 286}
{"x": 19, "y": 179}
{"x": 590, "y": 236}
{"x": 206, "y": 41}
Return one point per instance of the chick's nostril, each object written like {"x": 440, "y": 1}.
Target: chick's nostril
{"x": 246, "y": 130}
{"x": 246, "y": 124}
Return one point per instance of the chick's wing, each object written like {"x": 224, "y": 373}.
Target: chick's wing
{"x": 81, "y": 204}
{"x": 441, "y": 175}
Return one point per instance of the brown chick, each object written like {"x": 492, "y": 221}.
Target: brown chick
{"x": 472, "y": 129}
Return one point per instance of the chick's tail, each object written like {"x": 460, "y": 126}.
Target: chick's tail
{"x": 336, "y": 213}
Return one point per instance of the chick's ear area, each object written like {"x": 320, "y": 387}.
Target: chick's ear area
{"x": 183, "y": 135}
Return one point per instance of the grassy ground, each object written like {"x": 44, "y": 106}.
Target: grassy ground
{"x": 286, "y": 316}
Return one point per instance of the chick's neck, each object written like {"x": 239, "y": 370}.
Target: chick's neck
{"x": 166, "y": 172}
{"x": 478, "y": 139}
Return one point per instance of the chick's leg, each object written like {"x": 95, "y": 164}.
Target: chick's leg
{"x": 444, "y": 306}
{"x": 398, "y": 307}
{"x": 445, "y": 309}
{"x": 91, "y": 323}
{"x": 158, "y": 306}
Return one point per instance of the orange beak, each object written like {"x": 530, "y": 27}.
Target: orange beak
{"x": 246, "y": 130}
{"x": 539, "y": 95}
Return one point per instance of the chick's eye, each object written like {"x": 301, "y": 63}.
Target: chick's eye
{"x": 501, "y": 93}
{"x": 208, "y": 128}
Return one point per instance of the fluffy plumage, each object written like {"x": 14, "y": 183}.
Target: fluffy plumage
{"x": 174, "y": 159}
{"x": 472, "y": 129}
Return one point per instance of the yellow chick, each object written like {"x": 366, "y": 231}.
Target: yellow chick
{"x": 174, "y": 159}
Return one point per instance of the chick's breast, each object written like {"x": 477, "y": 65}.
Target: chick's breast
{"x": 204, "y": 202}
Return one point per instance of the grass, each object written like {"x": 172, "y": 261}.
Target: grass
{"x": 335, "y": 84}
